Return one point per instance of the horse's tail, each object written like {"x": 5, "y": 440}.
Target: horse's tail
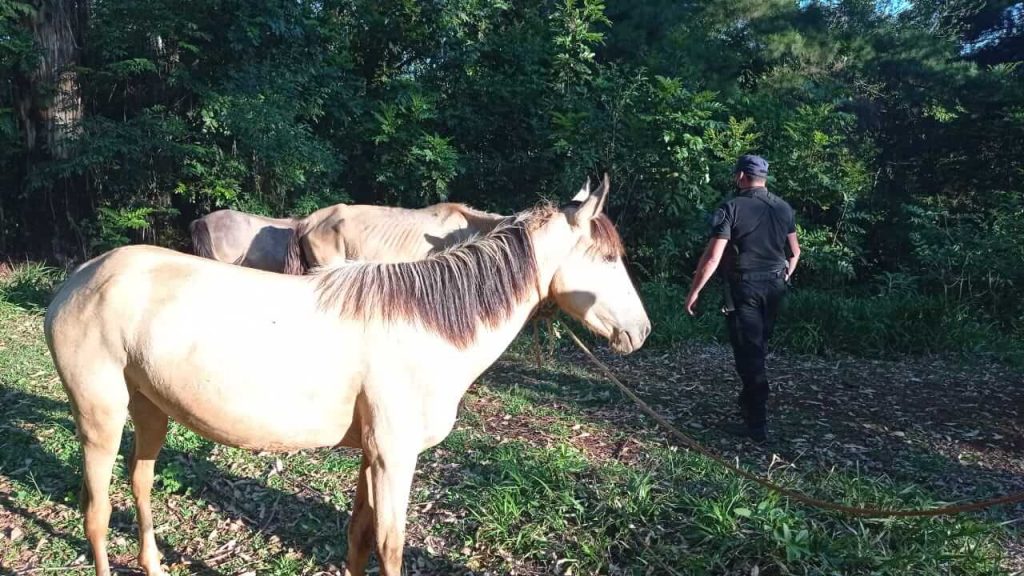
{"x": 294, "y": 263}
{"x": 202, "y": 242}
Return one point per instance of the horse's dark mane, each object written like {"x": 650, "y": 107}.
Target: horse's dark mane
{"x": 482, "y": 279}
{"x": 606, "y": 242}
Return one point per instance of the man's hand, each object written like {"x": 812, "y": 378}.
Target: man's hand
{"x": 794, "y": 248}
{"x": 691, "y": 302}
{"x": 709, "y": 261}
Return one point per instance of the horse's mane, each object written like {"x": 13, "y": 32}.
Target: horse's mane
{"x": 479, "y": 280}
{"x": 482, "y": 279}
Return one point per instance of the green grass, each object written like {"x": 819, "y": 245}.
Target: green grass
{"x": 671, "y": 510}
{"x": 516, "y": 487}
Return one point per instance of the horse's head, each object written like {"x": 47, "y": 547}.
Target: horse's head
{"x": 590, "y": 282}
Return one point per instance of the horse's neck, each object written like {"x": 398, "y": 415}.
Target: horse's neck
{"x": 322, "y": 214}
{"x": 491, "y": 343}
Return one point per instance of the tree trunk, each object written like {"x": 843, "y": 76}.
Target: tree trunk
{"x": 50, "y": 108}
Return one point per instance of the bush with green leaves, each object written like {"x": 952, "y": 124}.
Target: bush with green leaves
{"x": 892, "y": 128}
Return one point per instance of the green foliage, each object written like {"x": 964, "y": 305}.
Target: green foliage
{"x": 893, "y": 129}
{"x": 895, "y": 319}
{"x": 172, "y": 478}
{"x": 574, "y": 41}
{"x": 879, "y": 325}
{"x": 664, "y": 302}
{"x": 415, "y": 164}
{"x": 826, "y": 260}
{"x": 16, "y": 51}
{"x": 115, "y": 226}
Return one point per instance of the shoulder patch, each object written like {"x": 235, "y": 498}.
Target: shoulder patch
{"x": 718, "y": 217}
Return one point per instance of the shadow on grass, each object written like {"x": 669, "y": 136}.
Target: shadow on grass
{"x": 304, "y": 523}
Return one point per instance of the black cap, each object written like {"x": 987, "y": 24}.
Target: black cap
{"x": 751, "y": 165}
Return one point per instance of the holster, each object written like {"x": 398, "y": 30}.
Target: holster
{"x": 728, "y": 305}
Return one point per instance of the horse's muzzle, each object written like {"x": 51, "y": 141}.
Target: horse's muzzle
{"x": 628, "y": 341}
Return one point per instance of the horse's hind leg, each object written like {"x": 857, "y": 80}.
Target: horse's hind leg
{"x": 100, "y": 415}
{"x": 150, "y": 432}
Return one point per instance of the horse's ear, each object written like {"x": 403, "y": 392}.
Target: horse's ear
{"x": 592, "y": 205}
{"x": 584, "y": 192}
{"x": 606, "y": 187}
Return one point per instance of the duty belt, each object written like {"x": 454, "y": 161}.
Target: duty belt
{"x": 758, "y": 275}
{"x": 728, "y": 305}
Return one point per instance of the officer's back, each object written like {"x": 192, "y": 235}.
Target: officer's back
{"x": 757, "y": 224}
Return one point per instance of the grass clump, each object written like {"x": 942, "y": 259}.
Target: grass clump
{"x": 29, "y": 286}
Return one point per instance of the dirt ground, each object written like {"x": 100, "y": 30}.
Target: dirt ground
{"x": 952, "y": 428}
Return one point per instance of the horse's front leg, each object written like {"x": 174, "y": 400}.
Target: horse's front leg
{"x": 392, "y": 480}
{"x": 391, "y": 447}
{"x": 360, "y": 525}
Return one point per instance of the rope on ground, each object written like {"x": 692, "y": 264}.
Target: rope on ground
{"x": 865, "y": 511}
{"x": 544, "y": 313}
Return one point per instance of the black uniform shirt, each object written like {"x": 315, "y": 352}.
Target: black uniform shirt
{"x": 756, "y": 222}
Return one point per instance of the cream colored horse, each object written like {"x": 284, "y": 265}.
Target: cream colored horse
{"x": 368, "y": 355}
{"x": 343, "y": 232}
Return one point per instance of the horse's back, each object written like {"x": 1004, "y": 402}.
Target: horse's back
{"x": 115, "y": 289}
{"x": 111, "y": 289}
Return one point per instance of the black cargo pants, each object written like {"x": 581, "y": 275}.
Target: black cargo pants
{"x": 756, "y": 299}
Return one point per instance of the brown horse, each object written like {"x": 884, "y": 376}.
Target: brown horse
{"x": 369, "y": 355}
{"x": 247, "y": 240}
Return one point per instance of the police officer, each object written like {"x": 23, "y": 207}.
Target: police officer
{"x": 751, "y": 233}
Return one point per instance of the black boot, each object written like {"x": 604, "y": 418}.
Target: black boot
{"x": 754, "y": 424}
{"x": 756, "y": 433}
{"x": 743, "y": 410}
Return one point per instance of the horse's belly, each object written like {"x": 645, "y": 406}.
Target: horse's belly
{"x": 260, "y": 374}
{"x": 255, "y": 407}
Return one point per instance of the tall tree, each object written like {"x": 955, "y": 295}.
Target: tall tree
{"x": 47, "y": 98}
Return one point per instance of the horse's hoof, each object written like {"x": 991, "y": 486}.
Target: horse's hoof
{"x": 152, "y": 568}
